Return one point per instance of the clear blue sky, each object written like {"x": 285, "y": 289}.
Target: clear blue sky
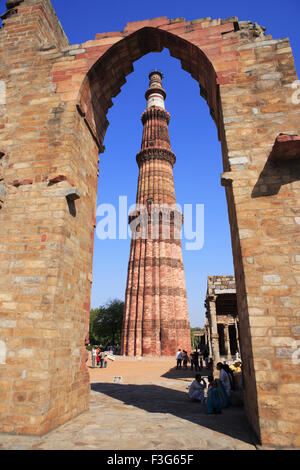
{"x": 192, "y": 132}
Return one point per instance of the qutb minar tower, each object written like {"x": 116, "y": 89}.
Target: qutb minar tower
{"x": 156, "y": 319}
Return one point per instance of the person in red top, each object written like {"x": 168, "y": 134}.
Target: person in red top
{"x": 98, "y": 356}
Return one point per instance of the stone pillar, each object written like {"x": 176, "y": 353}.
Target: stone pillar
{"x": 205, "y": 336}
{"x": 237, "y": 335}
{"x": 227, "y": 340}
{"x": 214, "y": 330}
{"x": 209, "y": 342}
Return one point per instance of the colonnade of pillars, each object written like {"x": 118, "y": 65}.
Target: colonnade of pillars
{"x": 222, "y": 339}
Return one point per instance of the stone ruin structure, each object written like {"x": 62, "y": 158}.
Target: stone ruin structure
{"x": 52, "y": 125}
{"x": 156, "y": 321}
{"x": 221, "y": 331}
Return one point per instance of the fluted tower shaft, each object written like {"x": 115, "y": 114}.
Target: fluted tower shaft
{"x": 156, "y": 314}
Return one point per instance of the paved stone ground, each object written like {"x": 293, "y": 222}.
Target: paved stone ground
{"x": 149, "y": 410}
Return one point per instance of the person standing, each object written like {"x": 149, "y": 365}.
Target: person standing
{"x": 205, "y": 355}
{"x": 192, "y": 360}
{"x": 94, "y": 356}
{"x": 98, "y": 351}
{"x": 196, "y": 360}
{"x": 185, "y": 359}
{"x": 179, "y": 359}
{"x": 102, "y": 355}
{"x": 105, "y": 360}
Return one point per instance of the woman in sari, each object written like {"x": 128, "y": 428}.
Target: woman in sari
{"x": 217, "y": 398}
{"x": 224, "y": 378}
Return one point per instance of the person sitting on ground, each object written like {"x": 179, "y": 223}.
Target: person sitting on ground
{"x": 240, "y": 378}
{"x": 196, "y": 390}
{"x": 210, "y": 380}
{"x": 241, "y": 383}
{"x": 236, "y": 367}
{"x": 230, "y": 375}
{"x": 213, "y": 402}
{"x": 224, "y": 378}
{"x": 216, "y": 397}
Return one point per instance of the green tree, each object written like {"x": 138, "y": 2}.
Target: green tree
{"x": 93, "y": 335}
{"x": 195, "y": 339}
{"x": 106, "y": 323}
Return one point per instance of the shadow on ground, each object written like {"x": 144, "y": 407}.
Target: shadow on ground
{"x": 158, "y": 399}
{"x": 188, "y": 374}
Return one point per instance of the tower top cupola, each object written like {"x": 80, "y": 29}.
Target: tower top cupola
{"x": 155, "y": 95}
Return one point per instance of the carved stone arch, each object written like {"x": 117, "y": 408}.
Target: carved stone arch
{"x": 106, "y": 76}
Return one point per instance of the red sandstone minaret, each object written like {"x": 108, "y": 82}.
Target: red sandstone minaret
{"x": 156, "y": 315}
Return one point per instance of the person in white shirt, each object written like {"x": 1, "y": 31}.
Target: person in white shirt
{"x": 179, "y": 358}
{"x": 224, "y": 378}
{"x": 94, "y": 356}
{"x": 196, "y": 389}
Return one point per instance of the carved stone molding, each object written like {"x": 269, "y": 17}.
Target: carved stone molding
{"x": 154, "y": 112}
{"x": 155, "y": 154}
{"x": 13, "y": 3}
